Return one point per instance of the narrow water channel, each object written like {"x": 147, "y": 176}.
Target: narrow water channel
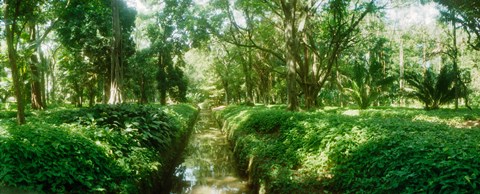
{"x": 208, "y": 166}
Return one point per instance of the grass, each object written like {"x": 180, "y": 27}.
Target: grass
{"x": 382, "y": 150}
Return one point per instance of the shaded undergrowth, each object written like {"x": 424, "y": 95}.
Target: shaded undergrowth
{"x": 352, "y": 151}
{"x": 104, "y": 149}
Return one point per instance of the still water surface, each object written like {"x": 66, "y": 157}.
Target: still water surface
{"x": 208, "y": 166}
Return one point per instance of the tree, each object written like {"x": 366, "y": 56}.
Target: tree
{"x": 453, "y": 53}
{"x": 37, "y": 99}
{"x": 12, "y": 11}
{"x": 370, "y": 74}
{"x": 38, "y": 21}
{"x": 78, "y": 77}
{"x": 87, "y": 28}
{"x": 468, "y": 15}
{"x": 141, "y": 76}
{"x": 84, "y": 32}
{"x": 330, "y": 35}
{"x": 229, "y": 72}
{"x": 50, "y": 58}
{"x": 177, "y": 83}
{"x": 116, "y": 66}
{"x": 168, "y": 38}
{"x": 294, "y": 20}
{"x": 314, "y": 33}
{"x": 35, "y": 21}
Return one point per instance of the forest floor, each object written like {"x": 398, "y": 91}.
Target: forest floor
{"x": 468, "y": 124}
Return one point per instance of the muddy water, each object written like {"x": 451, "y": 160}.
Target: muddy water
{"x": 208, "y": 165}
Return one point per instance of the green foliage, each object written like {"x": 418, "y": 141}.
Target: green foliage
{"x": 168, "y": 37}
{"x": 267, "y": 121}
{"x": 356, "y": 151}
{"x": 85, "y": 32}
{"x": 144, "y": 139}
{"x": 434, "y": 89}
{"x": 467, "y": 15}
{"x": 146, "y": 126}
{"x": 141, "y": 76}
{"x": 6, "y": 89}
{"x": 56, "y": 159}
{"x": 177, "y": 84}
{"x": 118, "y": 149}
{"x": 371, "y": 78}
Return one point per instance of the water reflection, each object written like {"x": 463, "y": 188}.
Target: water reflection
{"x": 208, "y": 165}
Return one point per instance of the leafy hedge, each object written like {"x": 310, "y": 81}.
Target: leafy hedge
{"x": 106, "y": 149}
{"x": 351, "y": 151}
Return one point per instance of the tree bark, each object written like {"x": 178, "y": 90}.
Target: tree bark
{"x": 309, "y": 86}
{"x": 116, "y": 74}
{"x": 291, "y": 43}
{"x": 52, "y": 93}
{"x": 455, "y": 62}
{"x": 43, "y": 77}
{"x": 10, "y": 23}
{"x": 143, "y": 92}
{"x": 248, "y": 77}
{"x": 78, "y": 97}
{"x": 35, "y": 84}
{"x": 402, "y": 71}
{"x": 162, "y": 78}
{"x": 106, "y": 86}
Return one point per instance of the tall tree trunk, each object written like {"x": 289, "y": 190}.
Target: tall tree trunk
{"x": 77, "y": 100}
{"x": 309, "y": 86}
{"x": 424, "y": 58}
{"x": 10, "y": 23}
{"x": 50, "y": 81}
{"x": 52, "y": 94}
{"x": 455, "y": 61}
{"x": 43, "y": 77}
{"x": 162, "y": 78}
{"x": 143, "y": 92}
{"x": 227, "y": 92}
{"x": 35, "y": 84}
{"x": 116, "y": 65}
{"x": 291, "y": 43}
{"x": 91, "y": 96}
{"x": 402, "y": 72}
{"x": 106, "y": 86}
{"x": 248, "y": 77}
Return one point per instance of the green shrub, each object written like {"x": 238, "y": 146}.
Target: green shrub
{"x": 145, "y": 139}
{"x": 8, "y": 114}
{"x": 436, "y": 89}
{"x": 122, "y": 148}
{"x": 374, "y": 151}
{"x": 150, "y": 127}
{"x": 267, "y": 121}
{"x": 56, "y": 159}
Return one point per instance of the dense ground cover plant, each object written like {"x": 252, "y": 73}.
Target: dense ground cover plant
{"x": 122, "y": 148}
{"x": 355, "y": 151}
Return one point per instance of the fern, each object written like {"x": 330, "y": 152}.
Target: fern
{"x": 434, "y": 89}
{"x": 368, "y": 85}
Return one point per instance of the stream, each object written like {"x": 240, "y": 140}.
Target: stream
{"x": 208, "y": 165}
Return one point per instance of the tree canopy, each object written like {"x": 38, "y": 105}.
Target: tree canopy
{"x": 305, "y": 54}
